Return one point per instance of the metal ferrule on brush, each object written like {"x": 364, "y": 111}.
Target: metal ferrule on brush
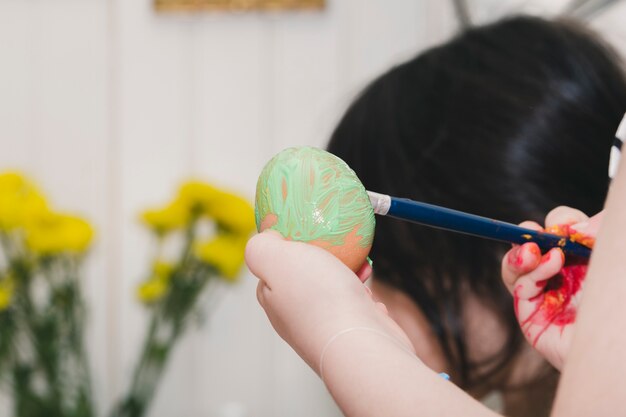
{"x": 380, "y": 202}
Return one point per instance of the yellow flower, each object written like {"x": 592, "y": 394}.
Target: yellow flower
{"x": 192, "y": 199}
{"x": 225, "y": 253}
{"x": 52, "y": 233}
{"x": 233, "y": 213}
{"x": 152, "y": 290}
{"x": 19, "y": 200}
{"x": 156, "y": 287}
{"x": 6, "y": 293}
{"x": 162, "y": 269}
{"x": 229, "y": 210}
{"x": 197, "y": 196}
{"x": 11, "y": 182}
{"x": 172, "y": 217}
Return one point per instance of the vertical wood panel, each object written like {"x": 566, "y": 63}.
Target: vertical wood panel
{"x": 152, "y": 112}
{"x": 232, "y": 99}
{"x": 230, "y": 362}
{"x": 437, "y": 22}
{"x": 610, "y": 25}
{"x": 71, "y": 139}
{"x": 53, "y": 122}
{"x": 307, "y": 59}
{"x": 376, "y": 37}
{"x": 18, "y": 32}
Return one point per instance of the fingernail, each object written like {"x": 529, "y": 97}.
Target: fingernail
{"x": 579, "y": 227}
{"x": 533, "y": 248}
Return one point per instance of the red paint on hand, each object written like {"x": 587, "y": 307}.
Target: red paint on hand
{"x": 554, "y": 305}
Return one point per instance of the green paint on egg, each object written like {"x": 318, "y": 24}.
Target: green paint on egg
{"x": 310, "y": 195}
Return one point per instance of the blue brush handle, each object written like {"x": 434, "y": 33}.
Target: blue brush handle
{"x": 458, "y": 221}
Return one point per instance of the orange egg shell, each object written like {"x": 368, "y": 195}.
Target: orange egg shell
{"x": 351, "y": 253}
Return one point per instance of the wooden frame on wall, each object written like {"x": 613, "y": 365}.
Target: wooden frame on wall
{"x": 237, "y": 5}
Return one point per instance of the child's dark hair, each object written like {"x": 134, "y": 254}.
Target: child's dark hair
{"x": 506, "y": 121}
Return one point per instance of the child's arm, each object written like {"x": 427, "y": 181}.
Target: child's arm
{"x": 592, "y": 383}
{"x": 547, "y": 288}
{"x": 321, "y": 308}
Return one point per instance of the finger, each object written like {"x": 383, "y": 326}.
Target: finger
{"x": 533, "y": 283}
{"x": 273, "y": 259}
{"x": 589, "y": 227}
{"x": 565, "y": 215}
{"x": 528, "y": 224}
{"x": 519, "y": 261}
{"x": 365, "y": 271}
{"x": 261, "y": 249}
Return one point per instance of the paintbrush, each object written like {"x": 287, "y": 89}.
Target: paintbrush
{"x": 470, "y": 224}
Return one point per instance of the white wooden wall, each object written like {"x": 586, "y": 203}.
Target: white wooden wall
{"x": 109, "y": 106}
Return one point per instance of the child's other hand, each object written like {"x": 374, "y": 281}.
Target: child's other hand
{"x": 547, "y": 288}
{"x": 309, "y": 295}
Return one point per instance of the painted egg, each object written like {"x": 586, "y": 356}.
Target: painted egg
{"x": 310, "y": 195}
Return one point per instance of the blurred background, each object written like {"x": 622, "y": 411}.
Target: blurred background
{"x": 109, "y": 104}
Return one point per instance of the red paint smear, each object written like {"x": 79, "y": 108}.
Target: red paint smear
{"x": 554, "y": 304}
{"x": 545, "y": 258}
{"x": 516, "y": 300}
{"x": 558, "y": 294}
